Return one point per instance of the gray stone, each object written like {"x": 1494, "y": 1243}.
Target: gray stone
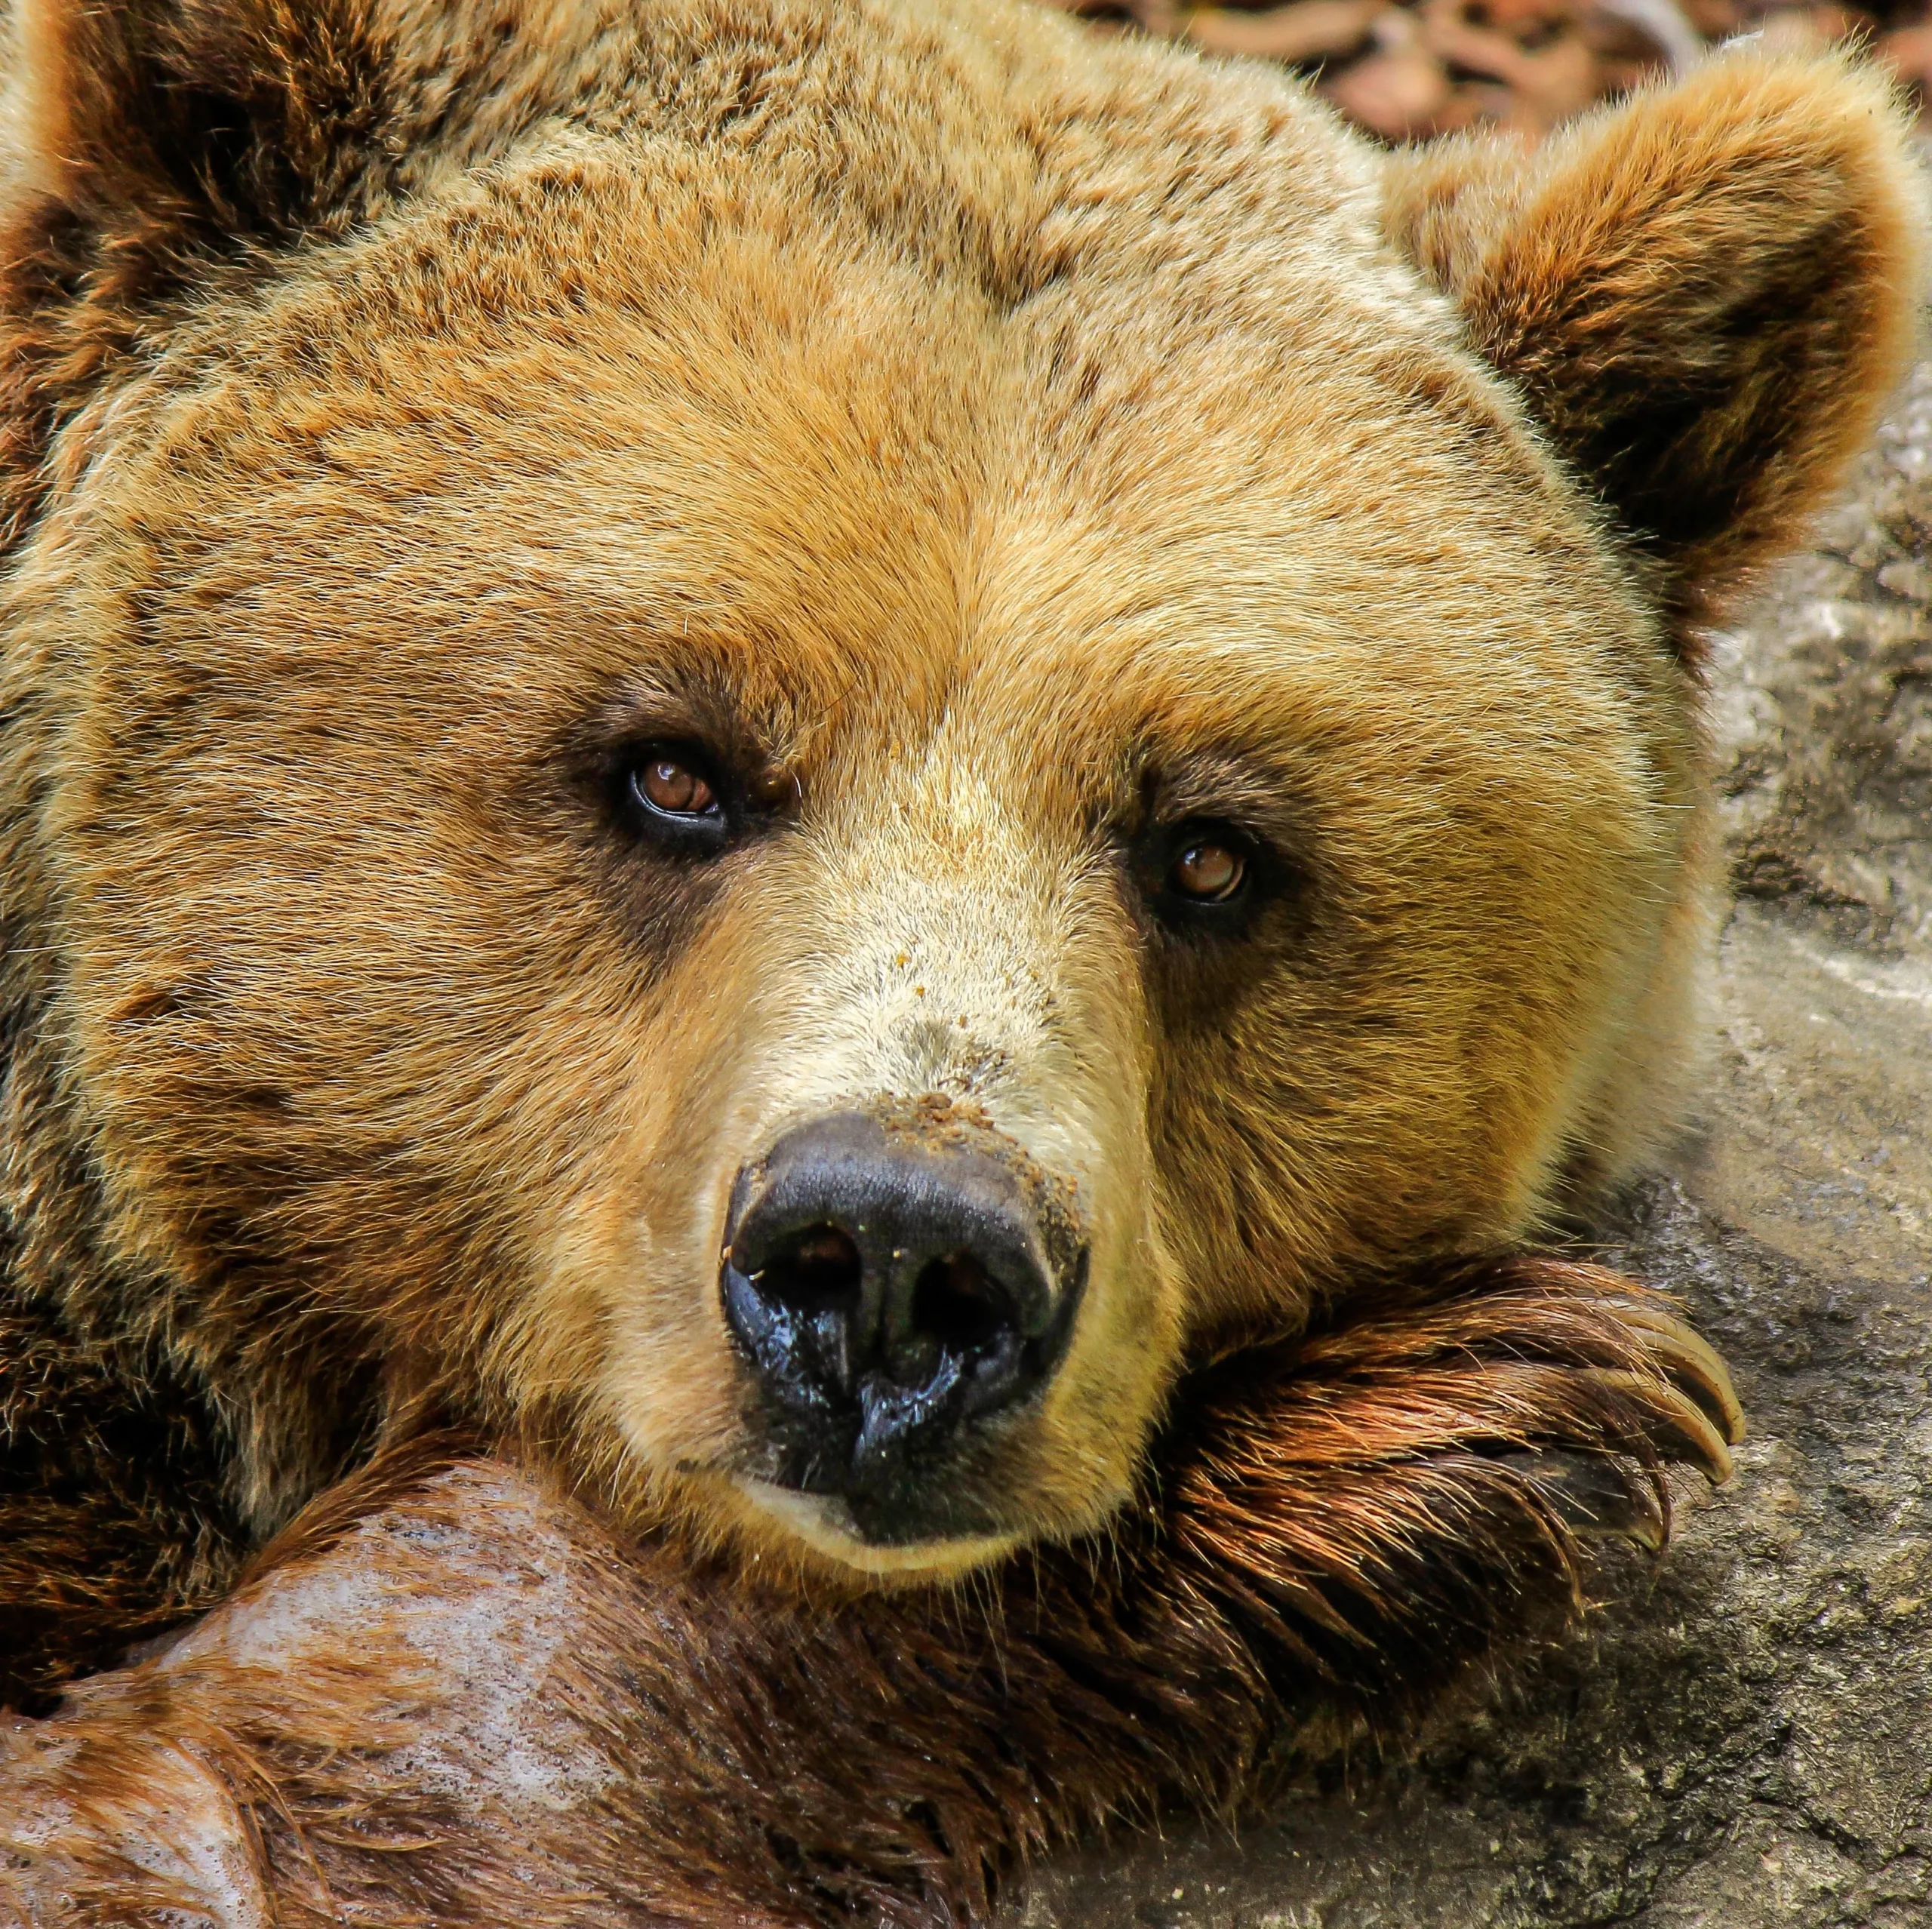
{"x": 1743, "y": 1737}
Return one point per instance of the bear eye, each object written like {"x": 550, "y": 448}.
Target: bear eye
{"x": 675, "y": 798}
{"x": 1208, "y": 872}
{"x": 668, "y": 782}
{"x": 1204, "y": 876}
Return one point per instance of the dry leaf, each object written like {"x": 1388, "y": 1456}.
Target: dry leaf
{"x": 1311, "y": 30}
{"x": 1408, "y": 69}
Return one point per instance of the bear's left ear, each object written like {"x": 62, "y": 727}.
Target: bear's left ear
{"x": 1705, "y": 295}
{"x": 240, "y": 119}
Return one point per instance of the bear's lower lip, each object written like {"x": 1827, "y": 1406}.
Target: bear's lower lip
{"x": 874, "y": 1490}
{"x": 828, "y": 1524}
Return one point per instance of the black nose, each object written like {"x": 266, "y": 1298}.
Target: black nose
{"x": 889, "y": 1287}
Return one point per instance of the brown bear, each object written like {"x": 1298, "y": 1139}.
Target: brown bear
{"x": 795, "y": 755}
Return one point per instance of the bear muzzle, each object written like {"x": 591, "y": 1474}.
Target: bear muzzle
{"x": 902, "y": 1282}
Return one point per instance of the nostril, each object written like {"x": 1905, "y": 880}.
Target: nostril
{"x": 888, "y": 1291}
{"x": 960, "y": 1305}
{"x": 956, "y": 1312}
{"x": 796, "y": 1300}
{"x": 818, "y": 1269}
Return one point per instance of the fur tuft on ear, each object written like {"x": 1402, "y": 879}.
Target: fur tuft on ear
{"x": 1705, "y": 294}
{"x": 146, "y": 140}
{"x": 239, "y": 118}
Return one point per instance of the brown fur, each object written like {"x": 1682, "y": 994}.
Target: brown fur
{"x": 991, "y": 445}
{"x": 451, "y": 1697}
{"x": 117, "y": 1524}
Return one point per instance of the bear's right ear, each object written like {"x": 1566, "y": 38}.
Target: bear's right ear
{"x": 207, "y": 121}
{"x": 1705, "y": 295}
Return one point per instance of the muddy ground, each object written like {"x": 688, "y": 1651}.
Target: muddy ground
{"x": 1744, "y": 1739}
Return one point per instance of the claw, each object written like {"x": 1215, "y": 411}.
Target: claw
{"x": 1680, "y": 1428}
{"x": 1691, "y": 1364}
{"x": 1594, "y": 1499}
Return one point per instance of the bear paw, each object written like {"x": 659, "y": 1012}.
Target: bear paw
{"x": 1379, "y": 1502}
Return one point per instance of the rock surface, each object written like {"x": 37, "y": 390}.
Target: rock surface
{"x": 1744, "y": 1738}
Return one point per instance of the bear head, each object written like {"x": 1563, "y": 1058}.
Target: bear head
{"x": 780, "y": 743}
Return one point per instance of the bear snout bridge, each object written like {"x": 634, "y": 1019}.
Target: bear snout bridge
{"x": 889, "y": 1288}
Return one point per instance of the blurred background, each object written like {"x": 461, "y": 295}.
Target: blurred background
{"x": 1406, "y": 69}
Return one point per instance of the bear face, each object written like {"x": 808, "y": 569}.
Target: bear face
{"x": 967, "y": 698}
{"x": 788, "y": 807}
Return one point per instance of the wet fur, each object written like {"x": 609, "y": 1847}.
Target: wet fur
{"x": 451, "y": 1695}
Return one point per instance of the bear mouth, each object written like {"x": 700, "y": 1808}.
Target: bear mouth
{"x": 887, "y": 1500}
